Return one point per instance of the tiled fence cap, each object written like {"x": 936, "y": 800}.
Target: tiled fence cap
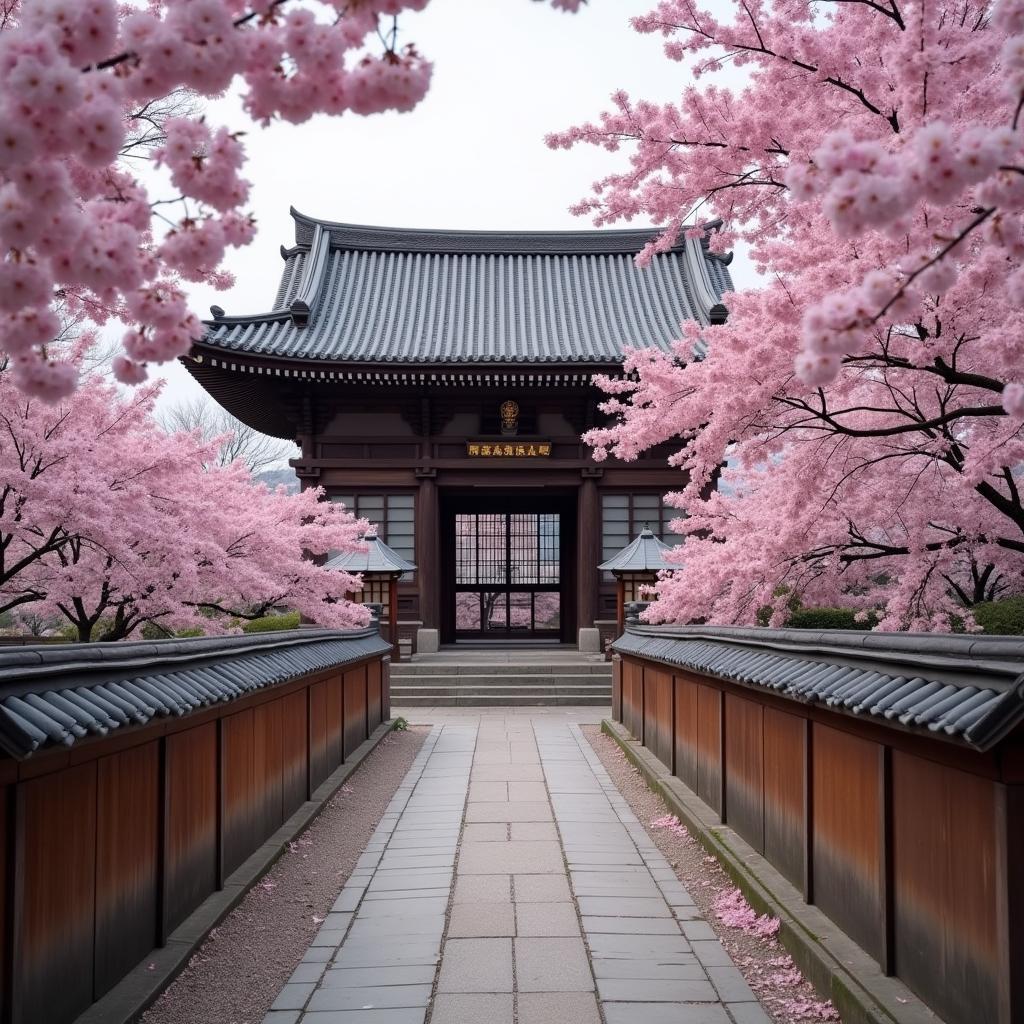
{"x": 61, "y": 693}
{"x": 961, "y": 687}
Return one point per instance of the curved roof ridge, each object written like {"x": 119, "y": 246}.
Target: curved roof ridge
{"x": 474, "y": 240}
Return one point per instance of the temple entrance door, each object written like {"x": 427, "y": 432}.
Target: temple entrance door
{"x": 506, "y": 579}
{"x": 507, "y": 575}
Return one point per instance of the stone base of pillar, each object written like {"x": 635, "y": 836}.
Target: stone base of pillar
{"x": 428, "y": 641}
{"x": 589, "y": 640}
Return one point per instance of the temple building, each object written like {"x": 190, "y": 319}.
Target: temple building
{"x": 438, "y": 383}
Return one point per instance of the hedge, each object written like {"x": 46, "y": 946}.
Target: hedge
{"x": 290, "y": 620}
{"x": 1000, "y": 618}
{"x": 829, "y": 618}
{"x": 1005, "y": 617}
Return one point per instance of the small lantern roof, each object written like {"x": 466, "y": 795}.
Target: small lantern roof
{"x": 644, "y": 554}
{"x": 378, "y": 559}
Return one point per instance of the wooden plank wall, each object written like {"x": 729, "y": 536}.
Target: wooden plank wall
{"x": 785, "y": 754}
{"x": 744, "y": 762}
{"x": 374, "y": 694}
{"x": 102, "y": 859}
{"x": 846, "y": 843}
{"x": 127, "y": 861}
{"x": 53, "y": 968}
{"x": 687, "y": 751}
{"x": 355, "y": 708}
{"x": 659, "y": 713}
{"x": 915, "y": 859}
{"x": 944, "y": 843}
{"x": 709, "y": 747}
{"x": 633, "y": 697}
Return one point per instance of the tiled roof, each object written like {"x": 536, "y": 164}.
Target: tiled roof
{"x": 377, "y": 557}
{"x": 966, "y": 688}
{"x": 59, "y": 694}
{"x": 645, "y": 553}
{"x": 354, "y": 294}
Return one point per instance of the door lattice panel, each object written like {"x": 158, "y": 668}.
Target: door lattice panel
{"x": 507, "y": 574}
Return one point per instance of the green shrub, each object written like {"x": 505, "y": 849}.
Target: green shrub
{"x": 1002, "y": 618}
{"x": 290, "y": 620}
{"x": 829, "y": 618}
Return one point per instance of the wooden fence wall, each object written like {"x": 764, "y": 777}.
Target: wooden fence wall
{"x": 914, "y": 847}
{"x": 106, "y": 848}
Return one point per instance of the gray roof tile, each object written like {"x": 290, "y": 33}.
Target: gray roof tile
{"x": 967, "y": 688}
{"x": 358, "y": 294}
{"x": 645, "y": 553}
{"x": 377, "y": 557}
{"x": 59, "y": 694}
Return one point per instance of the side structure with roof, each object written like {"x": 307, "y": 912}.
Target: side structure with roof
{"x": 439, "y": 382}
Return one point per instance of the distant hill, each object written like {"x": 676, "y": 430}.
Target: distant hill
{"x": 277, "y": 477}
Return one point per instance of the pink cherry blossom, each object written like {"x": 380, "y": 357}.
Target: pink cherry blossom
{"x": 854, "y": 435}
{"x": 77, "y": 78}
{"x": 109, "y": 519}
{"x": 1013, "y": 400}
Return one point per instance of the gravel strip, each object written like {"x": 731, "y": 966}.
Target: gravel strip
{"x": 238, "y": 971}
{"x": 769, "y": 970}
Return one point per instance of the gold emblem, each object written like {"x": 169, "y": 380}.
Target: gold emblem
{"x": 509, "y": 417}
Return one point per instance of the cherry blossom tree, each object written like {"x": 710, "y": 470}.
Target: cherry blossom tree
{"x": 86, "y": 84}
{"x": 106, "y": 518}
{"x": 867, "y": 400}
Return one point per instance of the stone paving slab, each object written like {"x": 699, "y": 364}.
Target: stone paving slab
{"x": 509, "y": 882}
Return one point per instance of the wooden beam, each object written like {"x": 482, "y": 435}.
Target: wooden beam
{"x": 808, "y": 880}
{"x": 16, "y": 906}
{"x": 588, "y": 547}
{"x": 885, "y": 855}
{"x": 163, "y": 928}
{"x": 1010, "y": 901}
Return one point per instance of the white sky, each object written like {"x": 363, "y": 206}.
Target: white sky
{"x": 471, "y": 155}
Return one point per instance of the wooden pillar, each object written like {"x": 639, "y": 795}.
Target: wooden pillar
{"x": 588, "y": 546}
{"x": 428, "y": 550}
{"x": 620, "y": 603}
{"x": 393, "y": 619}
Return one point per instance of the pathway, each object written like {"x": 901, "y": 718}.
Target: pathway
{"x": 510, "y": 882}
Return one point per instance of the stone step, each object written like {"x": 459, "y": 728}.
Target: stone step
{"x": 541, "y": 679}
{"x": 447, "y": 690}
{"x": 471, "y": 700}
{"x": 409, "y": 669}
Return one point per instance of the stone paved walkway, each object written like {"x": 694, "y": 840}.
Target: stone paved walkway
{"x": 509, "y": 883}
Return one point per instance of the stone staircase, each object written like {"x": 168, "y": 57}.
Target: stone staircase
{"x": 501, "y": 678}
